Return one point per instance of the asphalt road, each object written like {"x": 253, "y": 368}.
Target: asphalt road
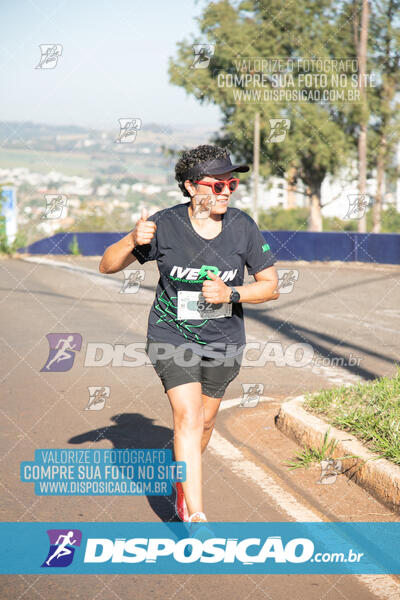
{"x": 340, "y": 311}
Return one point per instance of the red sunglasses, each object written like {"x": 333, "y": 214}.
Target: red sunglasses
{"x": 219, "y": 186}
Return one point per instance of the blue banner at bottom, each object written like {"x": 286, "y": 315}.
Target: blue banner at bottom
{"x": 203, "y": 548}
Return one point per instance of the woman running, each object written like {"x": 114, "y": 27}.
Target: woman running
{"x": 195, "y": 333}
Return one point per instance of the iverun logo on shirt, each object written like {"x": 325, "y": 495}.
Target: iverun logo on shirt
{"x": 197, "y": 275}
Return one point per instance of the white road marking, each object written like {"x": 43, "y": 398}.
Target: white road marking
{"x": 391, "y": 312}
{"x": 90, "y": 273}
{"x": 333, "y": 374}
{"x": 243, "y": 467}
{"x": 336, "y": 375}
{"x": 363, "y": 323}
{"x": 236, "y": 401}
{"x": 94, "y": 276}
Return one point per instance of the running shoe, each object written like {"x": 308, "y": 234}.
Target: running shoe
{"x": 181, "y": 508}
{"x": 198, "y": 527}
{"x": 197, "y": 517}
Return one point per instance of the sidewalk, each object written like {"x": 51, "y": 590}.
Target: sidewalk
{"x": 377, "y": 475}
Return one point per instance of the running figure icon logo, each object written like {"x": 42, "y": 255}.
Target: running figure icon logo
{"x": 50, "y": 53}
{"x": 97, "y": 397}
{"x": 330, "y": 469}
{"x": 358, "y": 204}
{"x": 62, "y": 550}
{"x": 56, "y": 206}
{"x": 131, "y": 283}
{"x": 128, "y": 129}
{"x": 203, "y": 204}
{"x": 202, "y": 55}
{"x": 278, "y": 130}
{"x": 251, "y": 394}
{"x": 287, "y": 279}
{"x": 62, "y": 351}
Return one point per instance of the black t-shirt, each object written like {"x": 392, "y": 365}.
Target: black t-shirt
{"x": 183, "y": 257}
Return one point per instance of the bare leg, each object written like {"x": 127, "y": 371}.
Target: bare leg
{"x": 188, "y": 413}
{"x": 211, "y": 407}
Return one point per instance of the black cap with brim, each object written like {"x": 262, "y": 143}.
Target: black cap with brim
{"x": 215, "y": 167}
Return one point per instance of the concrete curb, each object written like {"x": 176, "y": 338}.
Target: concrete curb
{"x": 379, "y": 477}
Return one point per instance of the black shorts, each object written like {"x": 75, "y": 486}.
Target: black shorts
{"x": 185, "y": 366}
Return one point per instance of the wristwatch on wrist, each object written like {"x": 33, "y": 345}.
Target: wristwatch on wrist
{"x": 235, "y": 296}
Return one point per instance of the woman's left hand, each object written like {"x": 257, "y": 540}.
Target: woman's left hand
{"x": 215, "y": 291}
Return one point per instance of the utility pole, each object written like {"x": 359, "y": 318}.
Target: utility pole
{"x": 362, "y": 138}
{"x": 256, "y": 164}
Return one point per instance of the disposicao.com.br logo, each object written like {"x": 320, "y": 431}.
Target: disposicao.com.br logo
{"x": 213, "y": 547}
{"x": 248, "y": 551}
{"x": 190, "y": 550}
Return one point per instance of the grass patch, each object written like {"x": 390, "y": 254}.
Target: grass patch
{"x": 310, "y": 455}
{"x": 370, "y": 411}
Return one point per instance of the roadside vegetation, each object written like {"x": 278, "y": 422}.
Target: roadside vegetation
{"x": 370, "y": 411}
{"x": 308, "y": 456}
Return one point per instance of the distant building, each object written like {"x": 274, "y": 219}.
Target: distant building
{"x": 336, "y": 192}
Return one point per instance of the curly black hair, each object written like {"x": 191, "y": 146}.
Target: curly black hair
{"x": 191, "y": 158}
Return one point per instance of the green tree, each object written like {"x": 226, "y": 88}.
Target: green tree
{"x": 385, "y": 36}
{"x": 275, "y": 219}
{"x": 318, "y": 141}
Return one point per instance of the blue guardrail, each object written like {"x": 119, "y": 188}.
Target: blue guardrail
{"x": 286, "y": 245}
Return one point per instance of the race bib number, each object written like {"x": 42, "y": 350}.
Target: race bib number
{"x": 193, "y": 305}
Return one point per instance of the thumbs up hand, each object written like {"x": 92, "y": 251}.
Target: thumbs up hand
{"x": 215, "y": 291}
{"x": 144, "y": 230}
